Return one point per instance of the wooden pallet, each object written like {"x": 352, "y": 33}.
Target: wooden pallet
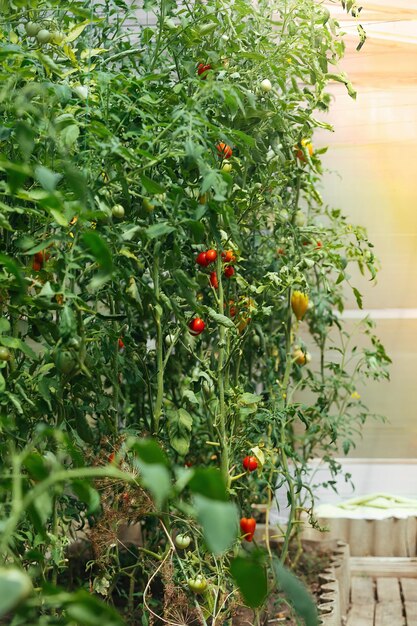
{"x": 383, "y": 592}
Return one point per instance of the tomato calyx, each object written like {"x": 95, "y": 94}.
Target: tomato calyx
{"x": 248, "y": 526}
{"x": 196, "y": 326}
{"x": 250, "y": 463}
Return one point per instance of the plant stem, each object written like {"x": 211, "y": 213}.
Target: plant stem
{"x": 159, "y": 343}
{"x": 221, "y": 381}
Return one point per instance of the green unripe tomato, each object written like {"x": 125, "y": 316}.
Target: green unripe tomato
{"x": 266, "y": 85}
{"x": 32, "y": 28}
{"x": 182, "y": 541}
{"x": 4, "y": 354}
{"x": 227, "y": 167}
{"x": 256, "y": 340}
{"x": 57, "y": 38}
{"x": 65, "y": 362}
{"x": 43, "y": 36}
{"x": 300, "y": 218}
{"x": 118, "y": 211}
{"x": 197, "y": 584}
{"x": 169, "y": 340}
{"x": 147, "y": 205}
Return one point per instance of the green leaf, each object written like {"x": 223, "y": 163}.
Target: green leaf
{"x": 36, "y": 467}
{"x": 296, "y": 593}
{"x": 249, "y": 398}
{"x": 86, "y": 493}
{"x": 15, "y": 586}
{"x": 47, "y": 178}
{"x": 219, "y": 521}
{"x": 220, "y": 319}
{"x": 157, "y": 480}
{"x": 151, "y": 186}
{"x": 84, "y": 608}
{"x": 179, "y": 428}
{"x": 67, "y": 323}
{"x": 76, "y": 31}
{"x": 69, "y": 135}
{"x": 99, "y": 250}
{"x": 149, "y": 452}
{"x": 358, "y": 297}
{"x": 250, "y": 575}
{"x": 17, "y": 344}
{"x": 4, "y": 325}
{"x": 159, "y": 230}
{"x": 13, "y": 269}
{"x": 209, "y": 482}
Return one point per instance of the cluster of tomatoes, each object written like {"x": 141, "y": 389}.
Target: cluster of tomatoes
{"x": 205, "y": 259}
{"x": 43, "y": 34}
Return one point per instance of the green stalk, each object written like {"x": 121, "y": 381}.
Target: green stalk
{"x": 284, "y": 459}
{"x": 221, "y": 381}
{"x": 159, "y": 343}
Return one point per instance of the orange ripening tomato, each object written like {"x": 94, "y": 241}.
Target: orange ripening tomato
{"x": 224, "y": 151}
{"x": 299, "y": 304}
{"x": 248, "y": 526}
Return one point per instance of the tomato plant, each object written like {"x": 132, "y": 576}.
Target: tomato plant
{"x": 128, "y": 167}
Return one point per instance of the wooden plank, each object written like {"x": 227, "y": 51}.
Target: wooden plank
{"x": 409, "y": 587}
{"x": 389, "y": 614}
{"x": 384, "y": 566}
{"x": 361, "y": 615}
{"x": 388, "y": 590}
{"x": 362, "y": 590}
{"x": 411, "y": 613}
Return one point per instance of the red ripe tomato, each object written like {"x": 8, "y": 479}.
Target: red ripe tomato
{"x": 250, "y": 463}
{"x": 201, "y": 259}
{"x": 224, "y": 151}
{"x": 121, "y": 344}
{"x": 247, "y": 526}
{"x": 202, "y": 69}
{"x": 229, "y": 271}
{"x": 232, "y": 308}
{"x": 211, "y": 255}
{"x": 196, "y": 326}
{"x": 111, "y": 457}
{"x": 318, "y": 245}
{"x": 213, "y": 280}
{"x": 36, "y": 266}
{"x": 227, "y": 256}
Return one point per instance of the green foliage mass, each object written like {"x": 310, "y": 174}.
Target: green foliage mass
{"x": 111, "y": 183}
